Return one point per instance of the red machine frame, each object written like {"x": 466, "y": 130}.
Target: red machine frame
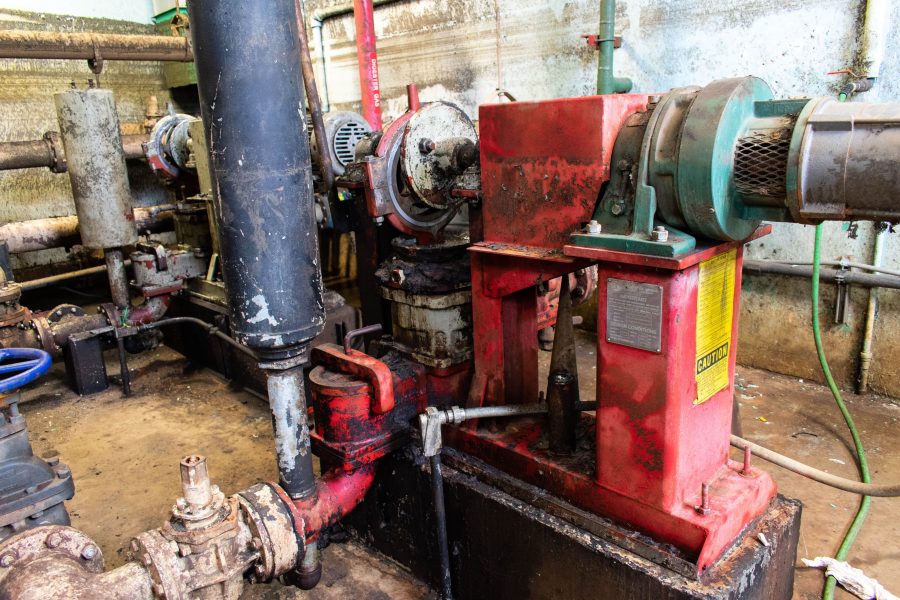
{"x": 660, "y": 459}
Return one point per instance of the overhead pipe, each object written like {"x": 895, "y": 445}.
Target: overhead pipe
{"x": 366, "y": 54}
{"x": 56, "y": 232}
{"x": 94, "y": 46}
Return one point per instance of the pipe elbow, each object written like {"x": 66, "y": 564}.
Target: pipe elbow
{"x": 338, "y": 493}
{"x": 151, "y": 310}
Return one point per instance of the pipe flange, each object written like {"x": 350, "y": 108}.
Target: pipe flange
{"x": 57, "y": 540}
{"x": 10, "y": 292}
{"x": 19, "y": 315}
{"x": 159, "y": 556}
{"x": 58, "y": 164}
{"x": 64, "y": 310}
{"x": 274, "y": 533}
{"x": 45, "y": 335}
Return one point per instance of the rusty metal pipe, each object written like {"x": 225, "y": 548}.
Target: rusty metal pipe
{"x": 312, "y": 99}
{"x": 118, "y": 278}
{"x": 36, "y": 284}
{"x": 54, "y": 232}
{"x": 46, "y": 152}
{"x": 25, "y": 155}
{"x": 84, "y": 46}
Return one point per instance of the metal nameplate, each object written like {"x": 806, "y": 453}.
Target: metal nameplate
{"x": 634, "y": 314}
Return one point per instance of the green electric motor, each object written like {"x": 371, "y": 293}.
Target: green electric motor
{"x": 714, "y": 162}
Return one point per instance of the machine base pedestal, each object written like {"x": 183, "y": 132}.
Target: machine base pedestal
{"x": 509, "y": 540}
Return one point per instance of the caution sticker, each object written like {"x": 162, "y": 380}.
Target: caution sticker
{"x": 715, "y": 307}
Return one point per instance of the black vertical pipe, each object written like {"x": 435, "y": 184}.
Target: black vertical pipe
{"x": 251, "y": 98}
{"x": 440, "y": 515}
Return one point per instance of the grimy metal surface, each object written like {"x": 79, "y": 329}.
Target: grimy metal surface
{"x": 89, "y": 127}
{"x": 41, "y": 234}
{"x": 549, "y": 549}
{"x": 48, "y": 44}
{"x": 251, "y": 96}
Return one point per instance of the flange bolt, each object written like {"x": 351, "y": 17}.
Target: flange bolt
{"x": 659, "y": 234}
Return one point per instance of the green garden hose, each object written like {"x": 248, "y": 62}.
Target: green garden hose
{"x": 856, "y": 524}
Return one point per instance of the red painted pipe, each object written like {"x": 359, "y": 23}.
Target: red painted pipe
{"x": 151, "y": 310}
{"x": 363, "y": 14}
{"x": 337, "y": 494}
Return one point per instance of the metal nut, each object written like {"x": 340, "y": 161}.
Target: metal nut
{"x": 7, "y": 559}
{"x": 53, "y": 540}
{"x": 593, "y": 227}
{"x": 617, "y": 208}
{"x": 89, "y": 552}
{"x": 659, "y": 234}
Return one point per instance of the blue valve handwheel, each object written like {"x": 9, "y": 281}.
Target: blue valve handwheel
{"x": 20, "y": 366}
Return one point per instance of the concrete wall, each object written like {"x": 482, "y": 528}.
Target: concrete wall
{"x": 26, "y": 103}
{"x": 139, "y": 11}
{"x": 451, "y": 49}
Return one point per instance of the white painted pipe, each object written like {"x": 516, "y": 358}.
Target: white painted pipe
{"x": 874, "y": 36}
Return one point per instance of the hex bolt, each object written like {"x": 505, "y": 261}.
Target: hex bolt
{"x": 31, "y": 489}
{"x": 89, "y": 552}
{"x": 593, "y": 227}
{"x": 703, "y": 509}
{"x": 195, "y": 484}
{"x": 379, "y": 220}
{"x": 659, "y": 234}
{"x": 53, "y": 540}
{"x": 617, "y": 208}
{"x": 7, "y": 559}
{"x": 746, "y": 470}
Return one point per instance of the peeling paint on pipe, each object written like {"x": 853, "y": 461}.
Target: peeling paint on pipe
{"x": 287, "y": 401}
{"x": 56, "y": 232}
{"x": 261, "y": 170}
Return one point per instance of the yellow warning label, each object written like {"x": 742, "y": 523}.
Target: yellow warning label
{"x": 715, "y": 307}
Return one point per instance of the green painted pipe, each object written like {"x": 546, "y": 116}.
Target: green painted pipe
{"x": 607, "y": 82}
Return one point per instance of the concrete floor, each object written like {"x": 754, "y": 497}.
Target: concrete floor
{"x": 124, "y": 454}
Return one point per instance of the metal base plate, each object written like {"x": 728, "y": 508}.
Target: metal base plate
{"x": 512, "y": 540}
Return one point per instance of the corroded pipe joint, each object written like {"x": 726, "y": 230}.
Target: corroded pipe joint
{"x": 337, "y": 493}
{"x": 61, "y": 562}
